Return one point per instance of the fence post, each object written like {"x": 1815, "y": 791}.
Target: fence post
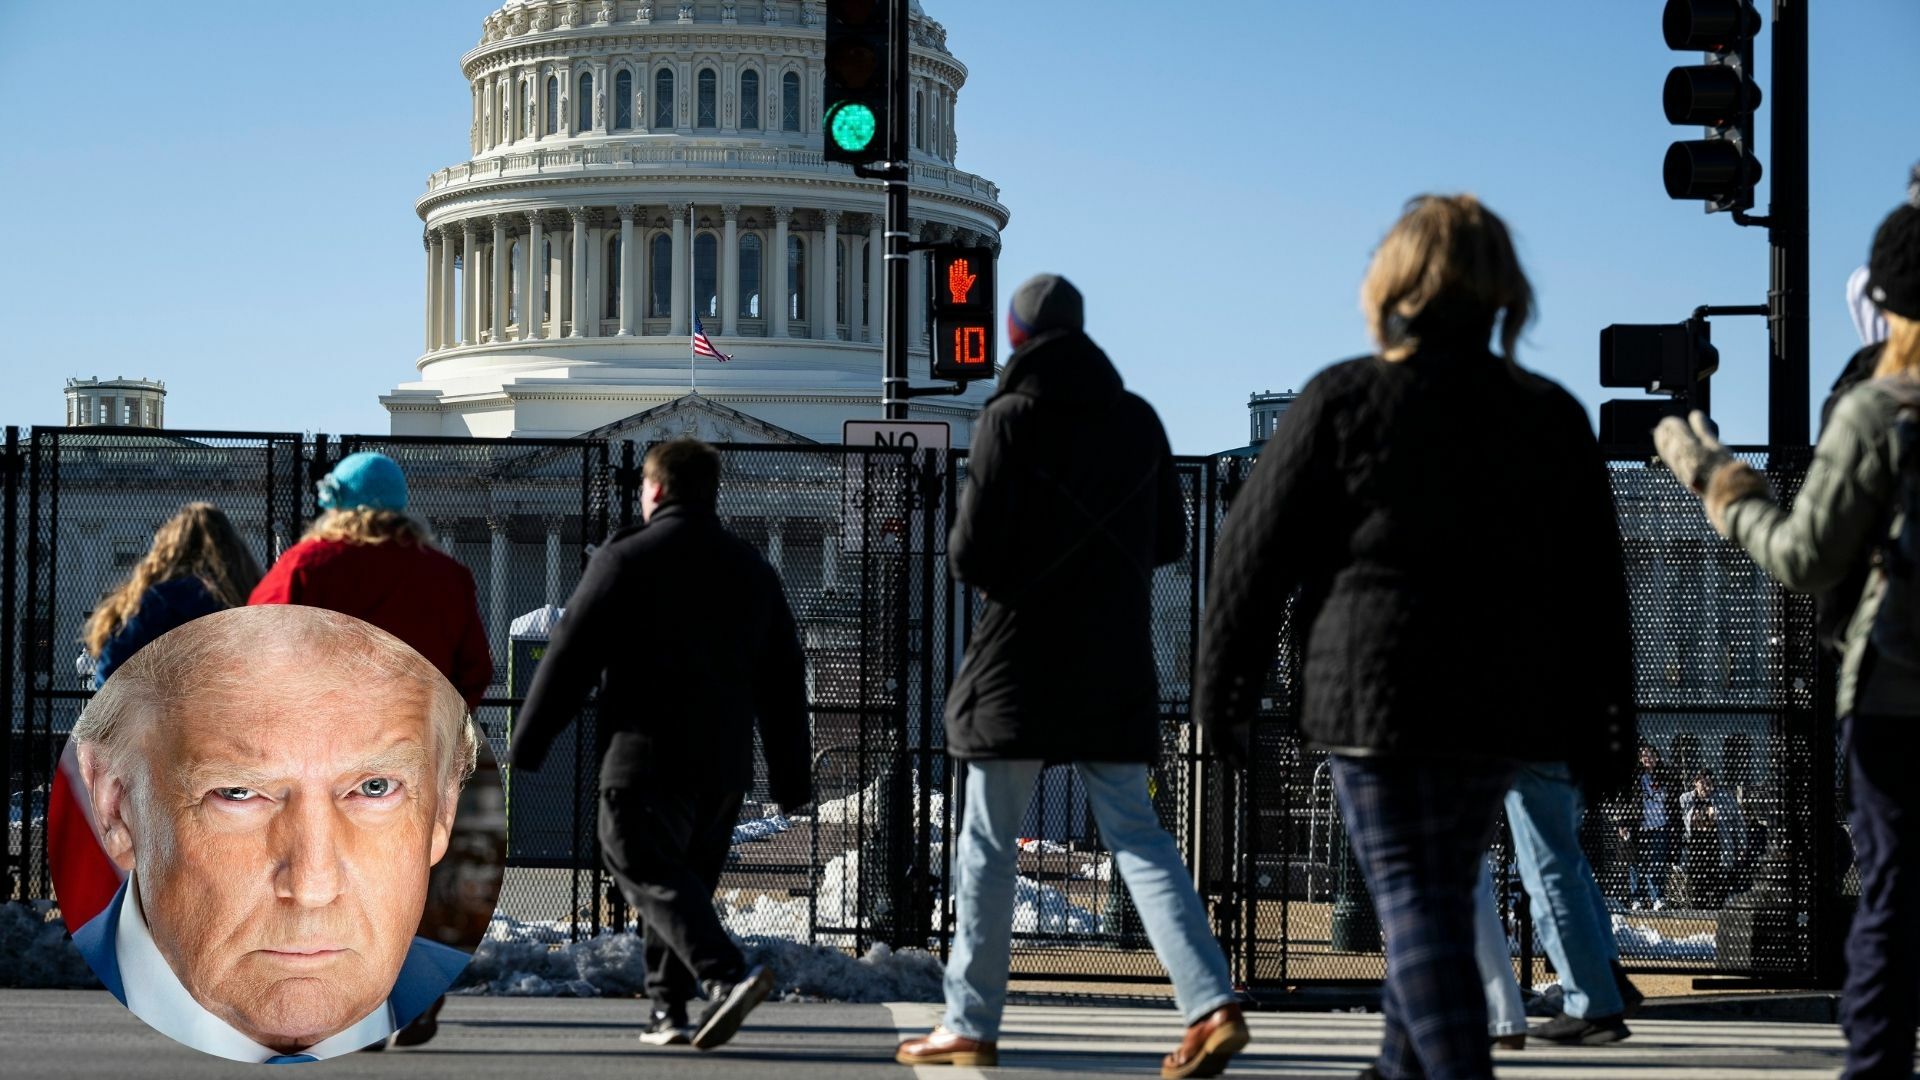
{"x": 627, "y": 479}
{"x": 10, "y": 469}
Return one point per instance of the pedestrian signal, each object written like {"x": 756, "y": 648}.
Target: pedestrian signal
{"x": 963, "y": 313}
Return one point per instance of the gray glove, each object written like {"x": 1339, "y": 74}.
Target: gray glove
{"x": 1691, "y": 448}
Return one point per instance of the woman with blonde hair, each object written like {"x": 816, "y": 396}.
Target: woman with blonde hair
{"x": 1445, "y": 519}
{"x": 365, "y": 557}
{"x": 1853, "y": 512}
{"x": 198, "y": 565}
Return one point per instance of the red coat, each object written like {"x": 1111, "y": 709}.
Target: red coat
{"x": 419, "y": 595}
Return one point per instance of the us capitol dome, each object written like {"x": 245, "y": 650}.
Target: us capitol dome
{"x": 636, "y": 165}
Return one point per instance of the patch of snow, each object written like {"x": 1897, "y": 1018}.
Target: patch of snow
{"x": 1646, "y": 943}
{"x": 35, "y": 951}
{"x": 747, "y": 832}
{"x": 525, "y": 959}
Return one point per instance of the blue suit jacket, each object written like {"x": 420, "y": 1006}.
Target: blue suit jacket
{"x": 429, "y": 969}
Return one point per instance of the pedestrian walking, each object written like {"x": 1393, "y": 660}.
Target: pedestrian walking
{"x": 1856, "y": 508}
{"x": 1446, "y": 519}
{"x": 198, "y": 565}
{"x": 687, "y": 633}
{"x": 366, "y": 558}
{"x": 1071, "y": 502}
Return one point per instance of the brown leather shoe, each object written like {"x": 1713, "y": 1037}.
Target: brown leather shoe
{"x": 943, "y": 1047}
{"x": 1209, "y": 1045}
{"x": 1516, "y": 1041}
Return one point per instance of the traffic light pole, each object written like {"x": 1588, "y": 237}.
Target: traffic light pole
{"x": 1789, "y": 368}
{"x": 894, "y": 390}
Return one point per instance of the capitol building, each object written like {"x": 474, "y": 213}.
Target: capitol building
{"x": 637, "y": 165}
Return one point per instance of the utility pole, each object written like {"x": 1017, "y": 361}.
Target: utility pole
{"x": 899, "y": 174}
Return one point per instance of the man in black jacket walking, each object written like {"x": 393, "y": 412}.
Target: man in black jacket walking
{"x": 1071, "y": 502}
{"x": 686, "y": 631}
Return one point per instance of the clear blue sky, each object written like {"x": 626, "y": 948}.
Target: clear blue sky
{"x": 220, "y": 193}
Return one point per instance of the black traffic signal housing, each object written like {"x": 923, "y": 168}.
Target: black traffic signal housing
{"x": 963, "y": 329}
{"x": 855, "y": 123}
{"x": 1675, "y": 361}
{"x": 1720, "y": 95}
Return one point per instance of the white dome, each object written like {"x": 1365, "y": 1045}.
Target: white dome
{"x": 667, "y": 168}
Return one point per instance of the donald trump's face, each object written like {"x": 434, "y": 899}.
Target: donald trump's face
{"x": 279, "y": 829}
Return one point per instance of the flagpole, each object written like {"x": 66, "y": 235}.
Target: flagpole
{"x": 693, "y": 377}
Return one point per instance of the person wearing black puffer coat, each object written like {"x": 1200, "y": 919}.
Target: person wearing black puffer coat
{"x": 1071, "y": 502}
{"x": 1446, "y": 520}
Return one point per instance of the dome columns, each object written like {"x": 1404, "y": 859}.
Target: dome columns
{"x": 587, "y": 271}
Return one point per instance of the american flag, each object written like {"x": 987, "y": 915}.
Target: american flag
{"x": 703, "y": 347}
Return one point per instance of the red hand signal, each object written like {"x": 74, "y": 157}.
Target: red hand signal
{"x": 960, "y": 279}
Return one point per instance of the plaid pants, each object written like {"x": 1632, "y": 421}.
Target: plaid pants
{"x": 1419, "y": 830}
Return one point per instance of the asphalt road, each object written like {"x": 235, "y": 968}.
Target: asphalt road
{"x": 56, "y": 1034}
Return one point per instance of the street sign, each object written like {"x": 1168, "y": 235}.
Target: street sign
{"x": 906, "y": 434}
{"x": 881, "y": 492}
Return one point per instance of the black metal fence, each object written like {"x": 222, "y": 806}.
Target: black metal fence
{"x": 1728, "y": 683}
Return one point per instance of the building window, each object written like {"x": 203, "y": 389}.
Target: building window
{"x": 749, "y": 100}
{"x": 612, "y": 277}
{"x": 750, "y": 275}
{"x": 919, "y": 120}
{"x": 553, "y": 105}
{"x": 796, "y": 276}
{"x": 663, "y": 99}
{"x": 662, "y": 276}
{"x": 866, "y": 285}
{"x": 706, "y": 275}
{"x": 790, "y": 102}
{"x": 709, "y": 100}
{"x": 623, "y": 101}
{"x": 584, "y": 109}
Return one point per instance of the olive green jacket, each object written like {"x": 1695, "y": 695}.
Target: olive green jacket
{"x": 1845, "y": 508}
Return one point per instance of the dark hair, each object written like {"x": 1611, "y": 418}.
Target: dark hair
{"x": 687, "y": 470}
{"x": 1703, "y": 774}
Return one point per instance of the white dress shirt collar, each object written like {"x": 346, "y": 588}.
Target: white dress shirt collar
{"x": 156, "y": 995}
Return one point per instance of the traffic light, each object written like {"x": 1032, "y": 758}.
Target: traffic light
{"x": 963, "y": 313}
{"x": 859, "y": 40}
{"x": 1719, "y": 95}
{"x": 1673, "y": 360}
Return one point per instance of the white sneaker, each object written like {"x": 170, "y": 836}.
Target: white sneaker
{"x": 1659, "y": 905}
{"x": 1638, "y": 906}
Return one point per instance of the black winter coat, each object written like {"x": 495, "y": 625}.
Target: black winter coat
{"x": 687, "y": 632}
{"x": 1448, "y": 523}
{"x": 1071, "y": 502}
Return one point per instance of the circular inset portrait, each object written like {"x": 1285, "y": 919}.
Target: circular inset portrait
{"x": 293, "y": 836}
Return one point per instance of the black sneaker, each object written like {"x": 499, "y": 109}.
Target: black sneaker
{"x": 1630, "y": 995}
{"x": 1582, "y": 1031}
{"x": 729, "y": 1004}
{"x": 667, "y": 1029}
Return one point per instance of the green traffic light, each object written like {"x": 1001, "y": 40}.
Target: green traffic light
{"x": 852, "y": 127}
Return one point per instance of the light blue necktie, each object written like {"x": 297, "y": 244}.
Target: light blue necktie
{"x": 290, "y": 1059}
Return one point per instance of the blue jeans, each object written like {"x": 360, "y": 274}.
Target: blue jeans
{"x": 1544, "y": 811}
{"x": 1420, "y": 830}
{"x": 1880, "y": 1006}
{"x": 1649, "y": 866}
{"x": 986, "y": 865}
{"x": 1493, "y": 956}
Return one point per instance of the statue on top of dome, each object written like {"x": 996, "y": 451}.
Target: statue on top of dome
{"x": 770, "y": 13}
{"x": 605, "y": 15}
{"x": 809, "y": 14}
{"x": 686, "y": 13}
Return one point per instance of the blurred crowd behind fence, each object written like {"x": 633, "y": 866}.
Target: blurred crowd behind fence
{"x": 1731, "y": 689}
